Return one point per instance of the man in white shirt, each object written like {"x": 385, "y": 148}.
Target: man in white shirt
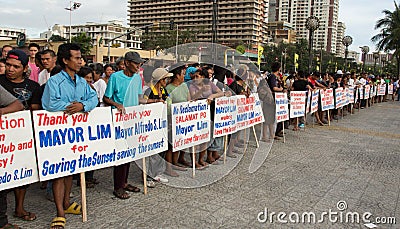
{"x": 49, "y": 59}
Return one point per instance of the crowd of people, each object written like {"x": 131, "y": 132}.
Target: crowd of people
{"x": 63, "y": 81}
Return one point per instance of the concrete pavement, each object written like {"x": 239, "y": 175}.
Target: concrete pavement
{"x": 352, "y": 166}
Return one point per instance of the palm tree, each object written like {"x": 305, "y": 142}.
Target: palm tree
{"x": 389, "y": 37}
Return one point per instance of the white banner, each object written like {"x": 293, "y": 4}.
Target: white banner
{"x": 360, "y": 93}
{"x": 190, "y": 124}
{"x": 17, "y": 151}
{"x": 248, "y": 115}
{"x": 70, "y": 144}
{"x": 367, "y": 91}
{"x": 297, "y": 104}
{"x": 282, "y": 107}
{"x": 327, "y": 100}
{"x": 339, "y": 102}
{"x": 390, "y": 89}
{"x": 314, "y": 101}
{"x": 308, "y": 103}
{"x": 225, "y": 116}
{"x": 141, "y": 132}
{"x": 382, "y": 89}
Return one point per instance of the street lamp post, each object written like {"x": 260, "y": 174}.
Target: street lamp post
{"x": 376, "y": 56}
{"x": 72, "y": 7}
{"x": 347, "y": 41}
{"x": 312, "y": 24}
{"x": 364, "y": 50}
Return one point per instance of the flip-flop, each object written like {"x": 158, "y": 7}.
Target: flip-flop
{"x": 58, "y": 222}
{"x": 26, "y": 217}
{"x": 131, "y": 188}
{"x": 74, "y": 209}
{"x": 121, "y": 194}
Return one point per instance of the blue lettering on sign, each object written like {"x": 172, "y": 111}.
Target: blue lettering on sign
{"x": 60, "y": 136}
{"x": 184, "y": 129}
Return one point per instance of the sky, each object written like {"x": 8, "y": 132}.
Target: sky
{"x": 37, "y": 16}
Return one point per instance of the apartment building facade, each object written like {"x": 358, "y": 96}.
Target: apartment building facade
{"x": 296, "y": 12}
{"x": 106, "y": 31}
{"x": 237, "y": 20}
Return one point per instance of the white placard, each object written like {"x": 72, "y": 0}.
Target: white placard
{"x": 17, "y": 151}
{"x": 190, "y": 124}
{"x": 70, "y": 144}
{"x": 140, "y": 132}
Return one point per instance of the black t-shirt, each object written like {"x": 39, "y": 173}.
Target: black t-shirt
{"x": 236, "y": 88}
{"x": 300, "y": 85}
{"x": 272, "y": 81}
{"x": 28, "y": 92}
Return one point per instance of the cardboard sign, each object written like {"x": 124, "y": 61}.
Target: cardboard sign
{"x": 282, "y": 107}
{"x": 390, "y": 89}
{"x": 141, "y": 132}
{"x": 360, "y": 93}
{"x": 258, "y": 114}
{"x": 308, "y": 103}
{"x": 367, "y": 91}
{"x": 350, "y": 95}
{"x": 314, "y": 101}
{"x": 382, "y": 89}
{"x": 247, "y": 115}
{"x": 190, "y": 124}
{"x": 327, "y": 100}
{"x": 70, "y": 144}
{"x": 297, "y": 103}
{"x": 17, "y": 151}
{"x": 225, "y": 116}
{"x": 339, "y": 102}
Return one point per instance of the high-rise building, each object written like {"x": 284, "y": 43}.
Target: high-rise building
{"x": 340, "y": 48}
{"x": 237, "y": 20}
{"x": 296, "y": 12}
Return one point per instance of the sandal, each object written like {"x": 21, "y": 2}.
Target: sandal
{"x": 26, "y": 217}
{"x": 58, "y": 222}
{"x": 131, "y": 188}
{"x": 74, "y": 209}
{"x": 121, "y": 194}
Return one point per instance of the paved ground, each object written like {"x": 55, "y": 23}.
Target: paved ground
{"x": 356, "y": 160}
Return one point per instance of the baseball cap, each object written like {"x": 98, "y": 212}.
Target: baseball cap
{"x": 160, "y": 73}
{"x": 190, "y": 70}
{"x": 339, "y": 72}
{"x": 18, "y": 55}
{"x": 133, "y": 56}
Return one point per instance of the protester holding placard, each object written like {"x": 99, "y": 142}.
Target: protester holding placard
{"x": 178, "y": 93}
{"x": 29, "y": 94}
{"x": 67, "y": 92}
{"x": 300, "y": 84}
{"x": 116, "y": 95}
{"x": 8, "y": 104}
{"x": 202, "y": 88}
{"x": 157, "y": 93}
{"x": 275, "y": 86}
